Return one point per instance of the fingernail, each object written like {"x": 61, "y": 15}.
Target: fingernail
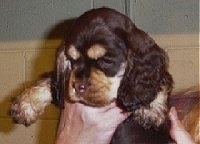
{"x": 173, "y": 113}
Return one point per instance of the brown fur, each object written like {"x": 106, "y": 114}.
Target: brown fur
{"x": 97, "y": 93}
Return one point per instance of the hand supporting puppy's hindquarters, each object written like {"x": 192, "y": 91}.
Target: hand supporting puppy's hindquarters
{"x": 177, "y": 131}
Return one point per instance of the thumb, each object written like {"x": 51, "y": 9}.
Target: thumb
{"x": 177, "y": 131}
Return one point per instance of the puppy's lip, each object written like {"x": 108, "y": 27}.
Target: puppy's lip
{"x": 77, "y": 94}
{"x": 81, "y": 91}
{"x": 74, "y": 90}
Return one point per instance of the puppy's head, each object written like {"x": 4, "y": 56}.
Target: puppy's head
{"x": 95, "y": 75}
{"x": 106, "y": 57}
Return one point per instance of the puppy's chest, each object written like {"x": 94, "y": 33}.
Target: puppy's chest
{"x": 130, "y": 132}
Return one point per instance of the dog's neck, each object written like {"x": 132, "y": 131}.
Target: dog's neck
{"x": 155, "y": 114}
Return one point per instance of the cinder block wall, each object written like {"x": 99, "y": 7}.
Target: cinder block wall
{"x": 30, "y": 32}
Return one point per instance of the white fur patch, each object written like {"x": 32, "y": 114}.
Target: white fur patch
{"x": 115, "y": 81}
{"x": 156, "y": 112}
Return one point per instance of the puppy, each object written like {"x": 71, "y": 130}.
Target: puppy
{"x": 107, "y": 58}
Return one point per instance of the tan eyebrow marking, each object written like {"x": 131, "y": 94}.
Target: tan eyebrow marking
{"x": 96, "y": 51}
{"x": 72, "y": 52}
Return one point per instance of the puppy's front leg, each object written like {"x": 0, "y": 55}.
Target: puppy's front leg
{"x": 30, "y": 104}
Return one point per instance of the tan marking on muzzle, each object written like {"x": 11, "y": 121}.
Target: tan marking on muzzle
{"x": 97, "y": 94}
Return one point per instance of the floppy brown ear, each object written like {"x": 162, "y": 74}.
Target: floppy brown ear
{"x": 146, "y": 74}
{"x": 61, "y": 74}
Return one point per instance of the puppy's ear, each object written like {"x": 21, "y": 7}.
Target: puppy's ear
{"x": 146, "y": 73}
{"x": 63, "y": 68}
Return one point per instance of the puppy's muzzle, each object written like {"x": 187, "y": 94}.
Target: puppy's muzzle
{"x": 80, "y": 86}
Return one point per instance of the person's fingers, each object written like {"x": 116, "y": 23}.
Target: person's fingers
{"x": 175, "y": 122}
{"x": 177, "y": 131}
{"x": 174, "y": 118}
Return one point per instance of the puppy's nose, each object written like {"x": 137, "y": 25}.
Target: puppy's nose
{"x": 80, "y": 87}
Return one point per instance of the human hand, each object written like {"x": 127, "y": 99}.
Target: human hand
{"x": 177, "y": 131}
{"x": 85, "y": 124}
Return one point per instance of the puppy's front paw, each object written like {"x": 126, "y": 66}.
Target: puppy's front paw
{"x": 22, "y": 112}
{"x": 27, "y": 107}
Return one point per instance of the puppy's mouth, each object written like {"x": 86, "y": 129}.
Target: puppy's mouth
{"x": 94, "y": 91}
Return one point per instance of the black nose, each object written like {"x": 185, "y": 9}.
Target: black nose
{"x": 80, "y": 87}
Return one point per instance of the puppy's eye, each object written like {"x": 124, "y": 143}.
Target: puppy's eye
{"x": 105, "y": 62}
